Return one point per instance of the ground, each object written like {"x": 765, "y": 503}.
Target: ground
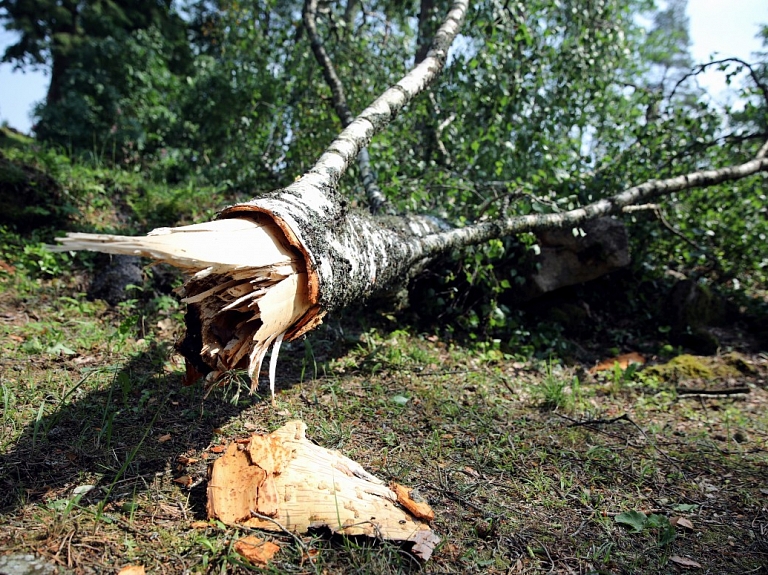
{"x": 530, "y": 466}
{"x": 531, "y": 463}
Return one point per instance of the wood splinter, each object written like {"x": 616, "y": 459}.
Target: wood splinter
{"x": 282, "y": 481}
{"x": 247, "y": 288}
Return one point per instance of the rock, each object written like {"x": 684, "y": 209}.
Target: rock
{"x": 111, "y": 283}
{"x": 568, "y": 259}
{"x": 25, "y": 564}
{"x": 692, "y": 307}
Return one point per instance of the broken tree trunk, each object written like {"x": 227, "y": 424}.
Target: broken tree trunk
{"x": 272, "y": 268}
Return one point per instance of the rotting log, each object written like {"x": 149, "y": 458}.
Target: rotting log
{"x": 284, "y": 482}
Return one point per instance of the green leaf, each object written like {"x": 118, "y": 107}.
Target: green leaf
{"x": 58, "y": 504}
{"x": 635, "y": 520}
{"x": 685, "y": 507}
{"x": 60, "y": 348}
{"x": 399, "y": 399}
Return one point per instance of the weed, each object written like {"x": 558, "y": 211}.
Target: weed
{"x": 557, "y": 391}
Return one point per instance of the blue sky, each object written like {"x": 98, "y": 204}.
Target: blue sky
{"x": 718, "y": 27}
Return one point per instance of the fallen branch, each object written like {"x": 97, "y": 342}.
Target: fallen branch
{"x": 319, "y": 255}
{"x": 690, "y": 392}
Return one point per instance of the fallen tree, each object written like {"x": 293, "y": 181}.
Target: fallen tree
{"x": 270, "y": 269}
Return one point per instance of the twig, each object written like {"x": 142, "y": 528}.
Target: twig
{"x": 583, "y": 523}
{"x": 701, "y": 67}
{"x": 443, "y": 488}
{"x": 440, "y": 128}
{"x": 660, "y": 216}
{"x": 285, "y": 530}
{"x": 548, "y": 555}
{"x": 711, "y": 392}
{"x": 376, "y": 199}
{"x": 623, "y": 417}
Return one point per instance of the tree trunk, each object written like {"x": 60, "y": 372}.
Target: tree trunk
{"x": 271, "y": 268}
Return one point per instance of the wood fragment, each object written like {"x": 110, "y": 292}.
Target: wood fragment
{"x": 283, "y": 481}
{"x": 688, "y": 392}
{"x": 256, "y": 550}
{"x": 419, "y": 509}
{"x": 247, "y": 286}
{"x": 624, "y": 360}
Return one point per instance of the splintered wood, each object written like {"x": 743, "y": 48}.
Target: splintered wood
{"x": 283, "y": 481}
{"x": 249, "y": 289}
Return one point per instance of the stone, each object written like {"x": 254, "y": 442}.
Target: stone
{"x": 25, "y": 564}
{"x": 692, "y": 307}
{"x": 111, "y": 283}
{"x": 569, "y": 258}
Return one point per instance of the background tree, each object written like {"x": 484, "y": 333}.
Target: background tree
{"x": 99, "y": 54}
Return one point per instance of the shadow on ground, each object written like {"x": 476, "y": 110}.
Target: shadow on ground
{"x": 120, "y": 436}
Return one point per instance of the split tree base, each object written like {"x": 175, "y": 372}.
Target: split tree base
{"x": 282, "y": 481}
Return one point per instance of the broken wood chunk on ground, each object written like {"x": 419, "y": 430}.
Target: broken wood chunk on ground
{"x": 282, "y": 481}
{"x": 256, "y": 550}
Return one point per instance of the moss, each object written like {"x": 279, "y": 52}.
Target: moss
{"x": 737, "y": 361}
{"x": 693, "y": 367}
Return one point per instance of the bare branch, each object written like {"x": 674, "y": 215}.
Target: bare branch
{"x": 376, "y": 200}
{"x": 659, "y": 213}
{"x": 701, "y": 67}
{"x": 371, "y": 121}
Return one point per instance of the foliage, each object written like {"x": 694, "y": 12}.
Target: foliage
{"x": 637, "y": 522}
{"x": 120, "y": 100}
{"x": 542, "y": 107}
{"x": 52, "y": 32}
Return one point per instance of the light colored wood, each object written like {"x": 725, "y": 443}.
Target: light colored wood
{"x": 298, "y": 485}
{"x": 250, "y": 286}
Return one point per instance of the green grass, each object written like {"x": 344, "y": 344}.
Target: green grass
{"x": 490, "y": 444}
{"x": 96, "y": 429}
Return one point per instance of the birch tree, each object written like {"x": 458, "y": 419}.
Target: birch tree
{"x": 270, "y": 269}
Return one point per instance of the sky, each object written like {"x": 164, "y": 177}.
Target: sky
{"x": 723, "y": 28}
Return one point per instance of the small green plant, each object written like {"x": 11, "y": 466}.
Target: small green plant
{"x": 638, "y": 522}
{"x": 38, "y": 260}
{"x": 556, "y": 391}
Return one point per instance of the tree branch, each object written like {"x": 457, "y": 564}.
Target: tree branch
{"x": 371, "y": 121}
{"x": 701, "y": 67}
{"x": 479, "y": 233}
{"x": 376, "y": 199}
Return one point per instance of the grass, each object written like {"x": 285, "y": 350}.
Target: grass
{"x": 529, "y": 464}
{"x": 491, "y": 444}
